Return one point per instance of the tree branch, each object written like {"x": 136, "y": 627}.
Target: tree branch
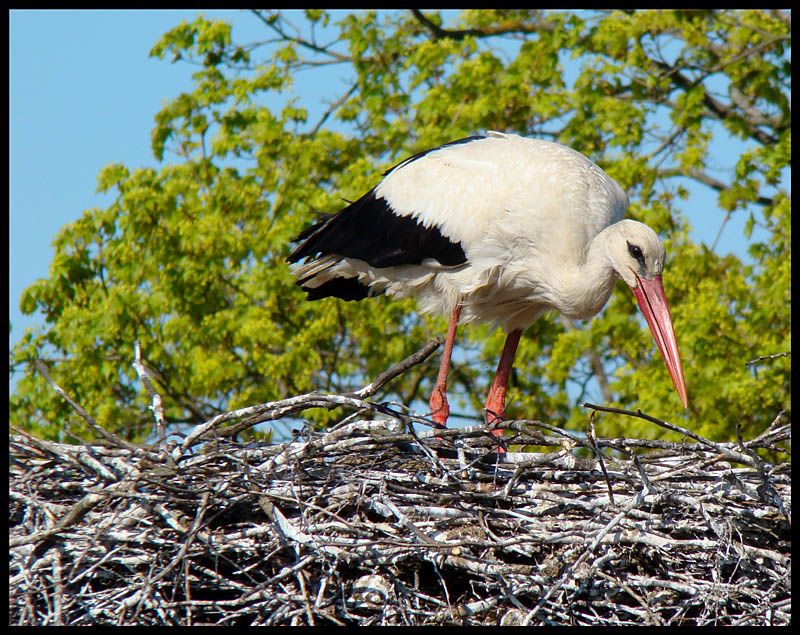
{"x": 503, "y": 28}
{"x": 713, "y": 183}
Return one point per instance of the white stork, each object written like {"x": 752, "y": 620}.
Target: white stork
{"x": 496, "y": 227}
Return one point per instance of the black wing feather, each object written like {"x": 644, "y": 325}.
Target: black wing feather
{"x": 369, "y": 230}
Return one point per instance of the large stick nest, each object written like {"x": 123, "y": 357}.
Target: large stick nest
{"x": 378, "y": 521}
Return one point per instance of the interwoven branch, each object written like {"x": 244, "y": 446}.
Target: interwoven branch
{"x": 356, "y": 527}
{"x": 381, "y": 521}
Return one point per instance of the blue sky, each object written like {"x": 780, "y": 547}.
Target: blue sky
{"x": 83, "y": 94}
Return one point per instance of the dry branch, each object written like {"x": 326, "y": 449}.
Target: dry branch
{"x": 378, "y": 521}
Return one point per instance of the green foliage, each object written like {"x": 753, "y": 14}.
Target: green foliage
{"x": 190, "y": 257}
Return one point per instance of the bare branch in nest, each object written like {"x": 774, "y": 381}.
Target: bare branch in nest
{"x": 376, "y": 522}
{"x": 254, "y": 415}
{"x": 90, "y": 421}
{"x": 728, "y": 453}
{"x": 157, "y": 407}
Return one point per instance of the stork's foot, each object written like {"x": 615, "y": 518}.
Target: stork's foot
{"x": 493, "y": 418}
{"x": 440, "y": 410}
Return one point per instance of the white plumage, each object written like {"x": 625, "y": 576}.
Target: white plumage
{"x": 497, "y": 227}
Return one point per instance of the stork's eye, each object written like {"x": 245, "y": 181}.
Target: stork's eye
{"x": 636, "y": 254}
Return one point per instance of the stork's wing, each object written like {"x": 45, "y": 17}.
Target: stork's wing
{"x": 369, "y": 230}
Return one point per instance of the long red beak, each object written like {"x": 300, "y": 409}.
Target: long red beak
{"x": 653, "y": 303}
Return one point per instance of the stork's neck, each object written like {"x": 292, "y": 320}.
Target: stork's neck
{"x": 586, "y": 287}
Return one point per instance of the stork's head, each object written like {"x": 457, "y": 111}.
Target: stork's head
{"x": 637, "y": 256}
{"x": 635, "y": 252}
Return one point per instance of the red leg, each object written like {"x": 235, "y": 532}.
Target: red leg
{"x": 439, "y": 408}
{"x": 496, "y": 399}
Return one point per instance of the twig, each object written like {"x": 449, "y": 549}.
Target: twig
{"x": 108, "y": 436}
{"x": 584, "y": 556}
{"x": 767, "y": 357}
{"x": 731, "y": 455}
{"x": 398, "y": 369}
{"x": 157, "y": 407}
{"x": 254, "y": 415}
{"x": 599, "y": 456}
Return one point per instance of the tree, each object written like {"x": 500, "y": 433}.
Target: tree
{"x": 190, "y": 258}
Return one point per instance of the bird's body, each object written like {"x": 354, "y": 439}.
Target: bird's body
{"x": 497, "y": 227}
{"x": 515, "y": 264}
